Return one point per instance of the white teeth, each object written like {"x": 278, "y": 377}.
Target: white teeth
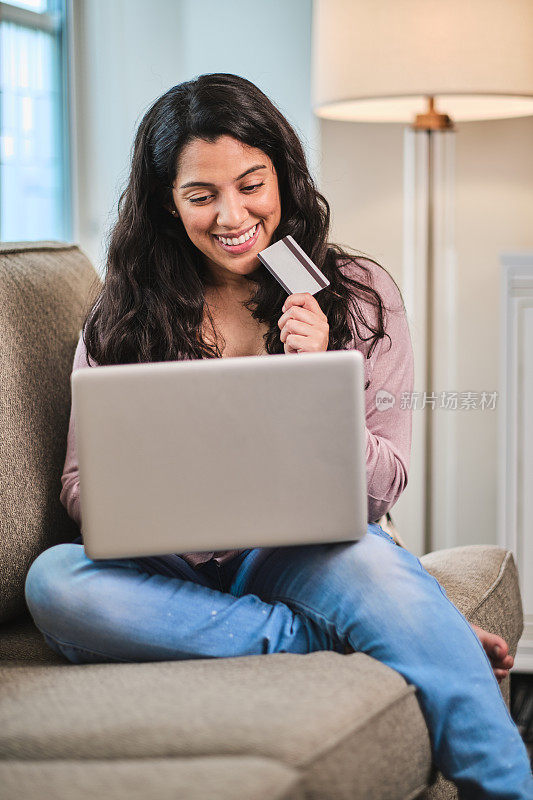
{"x": 241, "y": 239}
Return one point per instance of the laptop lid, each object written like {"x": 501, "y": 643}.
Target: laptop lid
{"x": 214, "y": 454}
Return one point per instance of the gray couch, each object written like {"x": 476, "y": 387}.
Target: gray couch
{"x": 322, "y": 725}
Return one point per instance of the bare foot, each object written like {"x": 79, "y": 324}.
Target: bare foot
{"x": 500, "y": 659}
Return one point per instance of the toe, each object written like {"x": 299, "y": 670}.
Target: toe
{"x": 499, "y": 650}
{"x": 501, "y": 674}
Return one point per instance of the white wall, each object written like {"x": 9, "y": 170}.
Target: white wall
{"x": 114, "y": 82}
{"x": 494, "y": 214}
{"x": 268, "y": 43}
{"x": 127, "y": 53}
{"x": 361, "y": 175}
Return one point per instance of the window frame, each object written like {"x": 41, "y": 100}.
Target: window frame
{"x": 55, "y": 20}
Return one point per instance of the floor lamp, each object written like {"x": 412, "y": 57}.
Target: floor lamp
{"x": 425, "y": 63}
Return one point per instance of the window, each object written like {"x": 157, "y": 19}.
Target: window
{"x": 34, "y": 173}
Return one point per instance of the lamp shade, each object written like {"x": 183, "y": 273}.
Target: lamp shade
{"x": 379, "y": 60}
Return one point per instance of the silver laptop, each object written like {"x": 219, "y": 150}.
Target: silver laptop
{"x": 215, "y": 454}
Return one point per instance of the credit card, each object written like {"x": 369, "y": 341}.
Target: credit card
{"x": 292, "y": 268}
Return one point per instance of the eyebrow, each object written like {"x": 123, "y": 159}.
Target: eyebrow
{"x": 203, "y": 183}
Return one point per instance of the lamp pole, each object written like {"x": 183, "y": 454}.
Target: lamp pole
{"x": 431, "y": 122}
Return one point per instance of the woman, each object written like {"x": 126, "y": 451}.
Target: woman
{"x": 217, "y": 175}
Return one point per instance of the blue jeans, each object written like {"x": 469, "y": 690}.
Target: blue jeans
{"x": 371, "y": 594}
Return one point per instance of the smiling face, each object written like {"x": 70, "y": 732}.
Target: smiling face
{"x": 227, "y": 189}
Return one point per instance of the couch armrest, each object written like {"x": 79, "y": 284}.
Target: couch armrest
{"x": 480, "y": 580}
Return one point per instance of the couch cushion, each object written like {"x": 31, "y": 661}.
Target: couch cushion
{"x": 23, "y": 643}
{"x": 350, "y": 724}
{"x": 226, "y": 778}
{"x": 45, "y": 290}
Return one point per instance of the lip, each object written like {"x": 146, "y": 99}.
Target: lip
{"x": 240, "y": 248}
{"x": 236, "y": 235}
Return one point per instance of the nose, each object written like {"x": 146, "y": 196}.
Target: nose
{"x": 232, "y": 213}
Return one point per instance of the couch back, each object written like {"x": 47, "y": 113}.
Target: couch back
{"x": 46, "y": 289}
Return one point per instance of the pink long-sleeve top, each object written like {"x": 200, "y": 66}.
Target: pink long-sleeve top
{"x": 390, "y": 374}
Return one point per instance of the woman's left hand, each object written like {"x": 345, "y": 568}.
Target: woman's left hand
{"x": 304, "y": 326}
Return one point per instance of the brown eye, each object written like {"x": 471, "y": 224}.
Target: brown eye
{"x": 198, "y": 199}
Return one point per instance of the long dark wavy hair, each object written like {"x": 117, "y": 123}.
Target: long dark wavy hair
{"x": 151, "y": 304}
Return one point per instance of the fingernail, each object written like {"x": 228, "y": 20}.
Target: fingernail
{"x": 497, "y": 650}
{"x": 283, "y": 309}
